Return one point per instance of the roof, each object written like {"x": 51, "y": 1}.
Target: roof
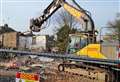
{"x": 5, "y": 29}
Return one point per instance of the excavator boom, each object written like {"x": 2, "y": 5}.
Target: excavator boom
{"x": 36, "y": 24}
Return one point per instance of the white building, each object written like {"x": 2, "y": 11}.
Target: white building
{"x": 39, "y": 43}
{"x": 25, "y": 42}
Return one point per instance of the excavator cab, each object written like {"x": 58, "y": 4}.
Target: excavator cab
{"x": 77, "y": 42}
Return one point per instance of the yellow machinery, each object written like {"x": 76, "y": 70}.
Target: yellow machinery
{"x": 82, "y": 44}
{"x": 91, "y": 49}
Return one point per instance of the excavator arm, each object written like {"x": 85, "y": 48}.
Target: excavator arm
{"x": 36, "y": 24}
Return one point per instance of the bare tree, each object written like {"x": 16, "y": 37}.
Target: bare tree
{"x": 64, "y": 18}
{"x": 116, "y": 26}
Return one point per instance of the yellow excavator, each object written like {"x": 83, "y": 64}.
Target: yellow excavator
{"x": 82, "y": 44}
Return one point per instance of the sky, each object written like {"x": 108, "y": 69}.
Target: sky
{"x": 17, "y": 13}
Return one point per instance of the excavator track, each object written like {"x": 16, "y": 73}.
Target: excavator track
{"x": 86, "y": 71}
{"x": 76, "y": 74}
{"x": 65, "y": 76}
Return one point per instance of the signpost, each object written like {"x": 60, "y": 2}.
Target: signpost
{"x": 27, "y": 77}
